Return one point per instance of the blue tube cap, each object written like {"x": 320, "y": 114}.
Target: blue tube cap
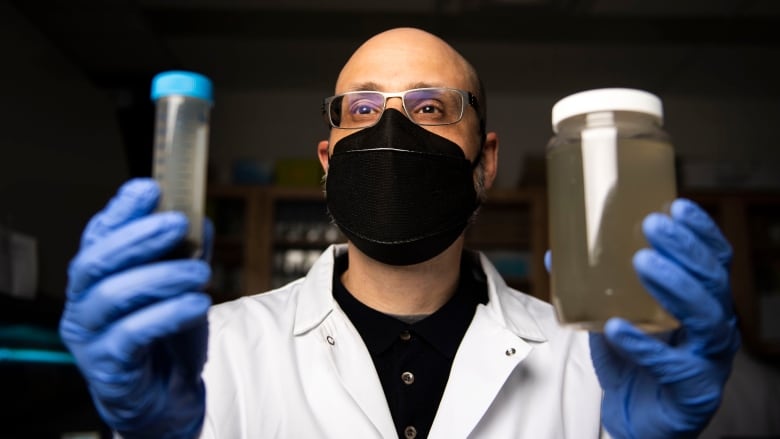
{"x": 180, "y": 82}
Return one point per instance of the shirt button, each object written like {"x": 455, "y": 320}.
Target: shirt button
{"x": 407, "y": 378}
{"x": 405, "y": 335}
{"x": 410, "y": 432}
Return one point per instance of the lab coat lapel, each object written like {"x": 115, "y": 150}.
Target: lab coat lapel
{"x": 496, "y": 342}
{"x": 324, "y": 329}
{"x": 357, "y": 373}
{"x": 486, "y": 357}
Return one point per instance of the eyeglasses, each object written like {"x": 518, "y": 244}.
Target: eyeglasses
{"x": 423, "y": 106}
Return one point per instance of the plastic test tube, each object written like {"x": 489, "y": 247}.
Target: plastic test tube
{"x": 183, "y": 103}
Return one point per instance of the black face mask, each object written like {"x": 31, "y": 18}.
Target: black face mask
{"x": 400, "y": 193}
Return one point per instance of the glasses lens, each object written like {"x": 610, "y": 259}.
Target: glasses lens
{"x": 434, "y": 106}
{"x": 356, "y": 109}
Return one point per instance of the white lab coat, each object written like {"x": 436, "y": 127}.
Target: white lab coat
{"x": 289, "y": 364}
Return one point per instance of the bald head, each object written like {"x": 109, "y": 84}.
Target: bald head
{"x": 406, "y": 42}
{"x": 405, "y": 58}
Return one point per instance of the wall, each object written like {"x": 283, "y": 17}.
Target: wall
{"x": 60, "y": 153}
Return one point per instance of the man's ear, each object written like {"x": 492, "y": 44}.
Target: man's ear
{"x": 323, "y": 153}
{"x": 490, "y": 158}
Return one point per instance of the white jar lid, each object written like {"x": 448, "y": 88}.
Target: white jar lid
{"x": 607, "y": 99}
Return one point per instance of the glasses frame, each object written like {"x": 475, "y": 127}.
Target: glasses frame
{"x": 466, "y": 97}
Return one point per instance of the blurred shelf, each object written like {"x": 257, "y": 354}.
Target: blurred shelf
{"x": 751, "y": 222}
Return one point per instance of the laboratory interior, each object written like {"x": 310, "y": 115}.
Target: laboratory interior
{"x": 76, "y": 121}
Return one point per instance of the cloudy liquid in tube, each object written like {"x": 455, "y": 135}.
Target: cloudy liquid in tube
{"x": 183, "y": 101}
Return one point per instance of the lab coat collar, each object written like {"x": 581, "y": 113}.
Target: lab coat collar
{"x": 317, "y": 301}
{"x": 509, "y": 307}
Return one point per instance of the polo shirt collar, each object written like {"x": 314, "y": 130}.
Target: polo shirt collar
{"x": 444, "y": 329}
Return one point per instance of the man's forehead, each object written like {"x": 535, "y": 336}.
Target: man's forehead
{"x": 393, "y": 77}
{"x": 395, "y": 62}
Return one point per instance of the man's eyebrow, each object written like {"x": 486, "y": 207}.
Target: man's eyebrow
{"x": 364, "y": 86}
{"x": 425, "y": 85}
{"x": 373, "y": 86}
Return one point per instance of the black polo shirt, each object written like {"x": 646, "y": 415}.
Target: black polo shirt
{"x": 413, "y": 360}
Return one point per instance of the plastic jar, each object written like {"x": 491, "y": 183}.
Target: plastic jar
{"x": 609, "y": 164}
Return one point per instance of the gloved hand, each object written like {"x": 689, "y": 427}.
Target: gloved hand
{"x": 656, "y": 388}
{"x": 137, "y": 325}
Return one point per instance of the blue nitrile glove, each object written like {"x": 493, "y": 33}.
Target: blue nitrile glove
{"x": 137, "y": 325}
{"x": 670, "y": 388}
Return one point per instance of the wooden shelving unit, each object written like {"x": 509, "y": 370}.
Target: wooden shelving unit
{"x": 751, "y": 222}
{"x": 511, "y": 229}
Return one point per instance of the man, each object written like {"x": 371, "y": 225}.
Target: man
{"x": 399, "y": 333}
